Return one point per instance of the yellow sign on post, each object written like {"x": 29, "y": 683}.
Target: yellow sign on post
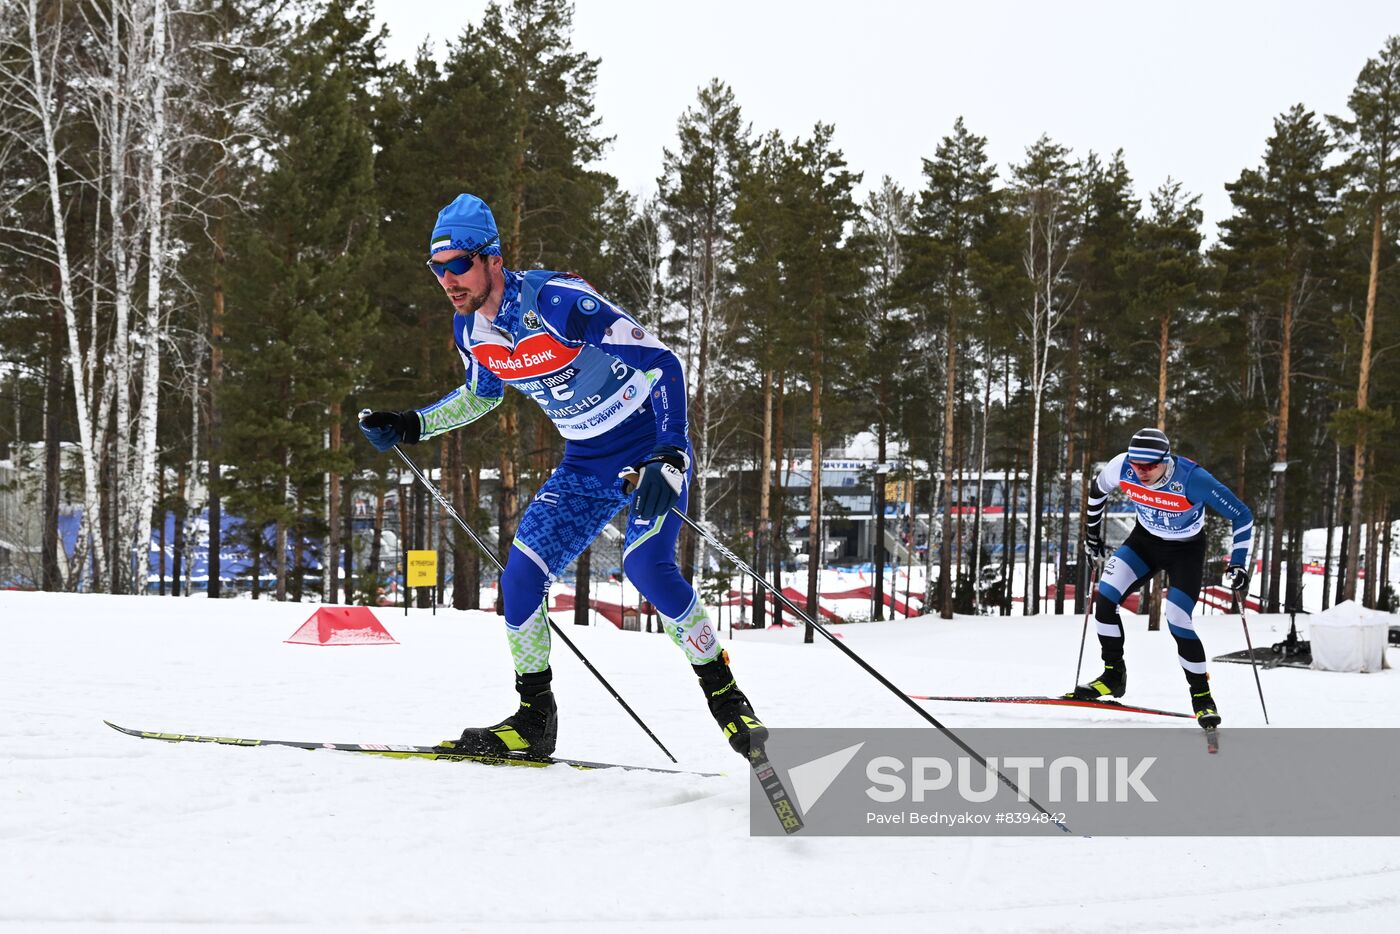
{"x": 422, "y": 568}
{"x": 899, "y": 491}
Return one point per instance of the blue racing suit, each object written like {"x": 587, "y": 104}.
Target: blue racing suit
{"x": 614, "y": 392}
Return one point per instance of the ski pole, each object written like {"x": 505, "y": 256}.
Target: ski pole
{"x": 447, "y": 507}
{"x": 631, "y": 477}
{"x": 1088, "y": 608}
{"x": 1249, "y": 643}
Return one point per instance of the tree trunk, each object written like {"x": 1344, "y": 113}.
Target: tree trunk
{"x": 1373, "y": 540}
{"x": 1032, "y": 591}
{"x": 139, "y": 528}
{"x": 331, "y": 559}
{"x": 181, "y": 514}
{"x": 280, "y": 558}
{"x": 1385, "y": 598}
{"x": 255, "y": 585}
{"x": 474, "y": 555}
{"x": 933, "y": 495}
{"x": 160, "y": 540}
{"x": 1156, "y": 586}
{"x": 215, "y": 417}
{"x": 1067, "y": 490}
{"x": 780, "y": 517}
{"x": 405, "y": 529}
{"x": 1281, "y": 450}
{"x": 422, "y": 505}
{"x": 347, "y": 577}
{"x": 1009, "y": 540}
{"x": 51, "y": 579}
{"x": 814, "y": 505}
{"x": 583, "y": 579}
{"x": 945, "y": 547}
{"x": 881, "y": 405}
{"x": 1363, "y": 386}
{"x": 1240, "y": 448}
{"x": 376, "y": 545}
{"x": 46, "y": 107}
{"x": 1329, "y": 519}
{"x": 1339, "y": 591}
{"x": 458, "y": 473}
{"x": 697, "y": 507}
{"x": 762, "y": 544}
{"x": 1081, "y": 594}
{"x": 959, "y": 551}
{"x": 297, "y": 583}
{"x": 449, "y": 480}
{"x": 981, "y": 479}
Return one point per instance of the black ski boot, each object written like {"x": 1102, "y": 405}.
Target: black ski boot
{"x": 730, "y": 708}
{"x": 1204, "y": 705}
{"x": 1112, "y": 683}
{"x": 530, "y": 731}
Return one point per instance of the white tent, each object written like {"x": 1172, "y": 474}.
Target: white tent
{"x": 1349, "y": 637}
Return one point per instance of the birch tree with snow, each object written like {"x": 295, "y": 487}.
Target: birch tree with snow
{"x": 97, "y": 99}
{"x": 1043, "y": 187}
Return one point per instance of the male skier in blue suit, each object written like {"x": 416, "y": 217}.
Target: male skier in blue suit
{"x": 618, "y": 397}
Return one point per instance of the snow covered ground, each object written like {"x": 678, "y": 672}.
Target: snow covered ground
{"x": 100, "y": 831}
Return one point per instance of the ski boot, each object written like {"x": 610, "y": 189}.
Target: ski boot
{"x": 1112, "y": 683}
{"x": 1204, "y": 705}
{"x": 730, "y": 708}
{"x": 531, "y": 731}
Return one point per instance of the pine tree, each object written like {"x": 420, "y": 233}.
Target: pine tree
{"x": 761, "y": 278}
{"x": 699, "y": 185}
{"x": 1371, "y": 137}
{"x": 1044, "y": 187}
{"x": 822, "y": 278}
{"x": 955, "y": 218}
{"x": 884, "y": 225}
{"x": 1277, "y": 243}
{"x": 301, "y": 319}
{"x": 540, "y": 96}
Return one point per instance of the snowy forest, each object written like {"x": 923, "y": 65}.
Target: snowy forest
{"x": 214, "y": 215}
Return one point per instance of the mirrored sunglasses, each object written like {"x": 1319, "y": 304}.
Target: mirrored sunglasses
{"x": 458, "y": 265}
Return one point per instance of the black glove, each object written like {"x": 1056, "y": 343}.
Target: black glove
{"x": 659, "y": 485}
{"x": 386, "y": 429}
{"x": 1239, "y": 578}
{"x": 1093, "y": 543}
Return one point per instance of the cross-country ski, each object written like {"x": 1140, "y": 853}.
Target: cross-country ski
{"x": 435, "y": 753}
{"x": 1040, "y": 700}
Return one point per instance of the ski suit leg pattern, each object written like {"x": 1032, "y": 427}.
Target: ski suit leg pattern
{"x": 694, "y": 633}
{"x": 1120, "y": 574}
{"x": 1184, "y": 563}
{"x": 649, "y": 560}
{"x": 566, "y": 515}
{"x": 531, "y": 642}
{"x": 1189, "y": 649}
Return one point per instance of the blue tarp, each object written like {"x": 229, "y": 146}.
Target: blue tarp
{"x": 235, "y": 563}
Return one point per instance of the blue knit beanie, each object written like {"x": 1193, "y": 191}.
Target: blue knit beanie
{"x": 465, "y": 224}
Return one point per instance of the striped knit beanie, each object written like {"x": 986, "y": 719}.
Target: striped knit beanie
{"x": 1148, "y": 446}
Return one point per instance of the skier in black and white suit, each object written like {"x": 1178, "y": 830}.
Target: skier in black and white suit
{"x": 1170, "y": 494}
